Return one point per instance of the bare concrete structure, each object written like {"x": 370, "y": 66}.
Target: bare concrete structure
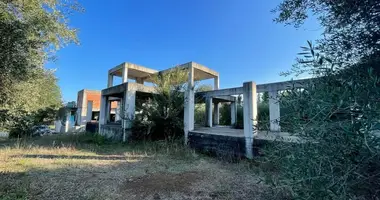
{"x": 88, "y": 104}
{"x": 126, "y": 93}
{"x": 250, "y": 133}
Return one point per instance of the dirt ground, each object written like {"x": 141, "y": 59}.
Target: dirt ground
{"x": 63, "y": 167}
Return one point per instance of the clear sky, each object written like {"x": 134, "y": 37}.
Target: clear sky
{"x": 237, "y": 38}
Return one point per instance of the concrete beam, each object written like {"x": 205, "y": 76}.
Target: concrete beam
{"x": 117, "y": 89}
{"x": 222, "y": 92}
{"x": 218, "y": 99}
{"x": 283, "y": 85}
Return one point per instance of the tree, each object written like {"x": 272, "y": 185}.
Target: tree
{"x": 337, "y": 114}
{"x": 351, "y": 27}
{"x": 30, "y": 33}
{"x": 161, "y": 116}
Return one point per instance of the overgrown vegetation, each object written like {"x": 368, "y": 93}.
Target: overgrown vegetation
{"x": 337, "y": 114}
{"x": 30, "y": 34}
{"x": 75, "y": 166}
{"x": 161, "y": 116}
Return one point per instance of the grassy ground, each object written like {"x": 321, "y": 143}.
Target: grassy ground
{"x": 81, "y": 167}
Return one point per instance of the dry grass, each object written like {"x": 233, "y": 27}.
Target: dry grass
{"x": 65, "y": 167}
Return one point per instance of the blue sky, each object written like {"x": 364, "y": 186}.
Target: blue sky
{"x": 237, "y": 38}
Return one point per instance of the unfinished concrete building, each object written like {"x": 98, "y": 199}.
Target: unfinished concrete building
{"x": 88, "y": 107}
{"x": 133, "y": 86}
{"x": 239, "y": 142}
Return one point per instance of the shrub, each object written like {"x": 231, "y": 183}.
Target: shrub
{"x": 161, "y": 117}
{"x": 335, "y": 116}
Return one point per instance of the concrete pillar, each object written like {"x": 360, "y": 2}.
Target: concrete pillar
{"x": 67, "y": 122}
{"x": 103, "y": 111}
{"x": 110, "y": 80}
{"x": 83, "y": 109}
{"x": 216, "y": 113}
{"x": 216, "y": 105}
{"x": 274, "y": 111}
{"x": 79, "y": 116}
{"x": 233, "y": 106}
{"x": 89, "y": 111}
{"x": 58, "y": 125}
{"x": 129, "y": 109}
{"x": 189, "y": 105}
{"x": 124, "y": 77}
{"x": 250, "y": 116}
{"x": 209, "y": 112}
{"x": 216, "y": 83}
{"x": 108, "y": 110}
{"x": 117, "y": 113}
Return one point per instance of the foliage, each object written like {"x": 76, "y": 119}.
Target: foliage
{"x": 161, "y": 117}
{"x": 34, "y": 102}
{"x": 335, "y": 116}
{"x": 225, "y": 114}
{"x": 200, "y": 114}
{"x": 30, "y": 34}
{"x": 351, "y": 27}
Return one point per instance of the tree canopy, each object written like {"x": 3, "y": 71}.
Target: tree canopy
{"x": 351, "y": 27}
{"x": 30, "y": 33}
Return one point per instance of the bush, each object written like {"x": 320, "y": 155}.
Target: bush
{"x": 335, "y": 116}
{"x": 19, "y": 123}
{"x": 161, "y": 116}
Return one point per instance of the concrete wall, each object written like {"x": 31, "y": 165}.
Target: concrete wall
{"x": 111, "y": 132}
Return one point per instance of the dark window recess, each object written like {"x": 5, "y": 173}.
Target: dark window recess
{"x": 95, "y": 116}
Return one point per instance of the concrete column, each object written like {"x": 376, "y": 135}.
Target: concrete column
{"x": 110, "y": 80}
{"x": 79, "y": 116}
{"x": 216, "y": 83}
{"x": 102, "y": 113}
{"x": 216, "y": 113}
{"x": 250, "y": 116}
{"x": 274, "y": 111}
{"x": 108, "y": 110}
{"x": 89, "y": 111}
{"x": 67, "y": 122}
{"x": 129, "y": 108}
{"x": 125, "y": 74}
{"x": 216, "y": 105}
{"x": 189, "y": 105}
{"x": 58, "y": 125}
{"x": 233, "y": 112}
{"x": 83, "y": 111}
{"x": 117, "y": 113}
{"x": 209, "y": 112}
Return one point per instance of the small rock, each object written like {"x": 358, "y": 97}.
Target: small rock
{"x": 156, "y": 196}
